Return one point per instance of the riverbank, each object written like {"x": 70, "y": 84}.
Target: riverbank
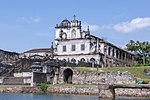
{"x": 19, "y": 89}
{"x": 77, "y": 90}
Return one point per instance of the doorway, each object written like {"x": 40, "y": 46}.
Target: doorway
{"x": 68, "y": 73}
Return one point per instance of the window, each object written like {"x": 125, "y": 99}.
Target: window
{"x": 82, "y": 60}
{"x": 123, "y": 56}
{"x": 109, "y": 51}
{"x": 117, "y": 53}
{"x": 120, "y": 55}
{"x": 92, "y": 60}
{"x": 113, "y": 52}
{"x": 64, "y": 48}
{"x": 82, "y": 47}
{"x": 73, "y": 60}
{"x": 73, "y": 48}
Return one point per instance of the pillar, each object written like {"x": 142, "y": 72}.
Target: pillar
{"x": 33, "y": 83}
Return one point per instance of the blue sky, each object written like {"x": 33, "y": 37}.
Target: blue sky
{"x": 28, "y": 24}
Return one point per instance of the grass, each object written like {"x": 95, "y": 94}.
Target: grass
{"x": 138, "y": 72}
{"x": 72, "y": 85}
{"x": 86, "y": 69}
{"x": 1, "y": 86}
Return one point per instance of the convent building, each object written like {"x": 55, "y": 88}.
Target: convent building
{"x": 72, "y": 44}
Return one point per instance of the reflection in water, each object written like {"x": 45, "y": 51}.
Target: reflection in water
{"x": 12, "y": 96}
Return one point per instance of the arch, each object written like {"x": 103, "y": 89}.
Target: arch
{"x": 92, "y": 60}
{"x": 64, "y": 60}
{"x": 82, "y": 60}
{"x": 109, "y": 51}
{"x": 67, "y": 75}
{"x": 73, "y": 60}
{"x": 73, "y": 33}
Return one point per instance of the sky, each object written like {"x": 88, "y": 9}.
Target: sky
{"x": 29, "y": 24}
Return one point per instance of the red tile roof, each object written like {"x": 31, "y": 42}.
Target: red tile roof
{"x": 47, "y": 50}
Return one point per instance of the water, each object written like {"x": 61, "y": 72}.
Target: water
{"x": 13, "y": 96}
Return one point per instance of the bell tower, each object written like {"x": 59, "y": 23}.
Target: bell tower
{"x": 75, "y": 30}
{"x": 63, "y": 29}
{"x": 68, "y": 29}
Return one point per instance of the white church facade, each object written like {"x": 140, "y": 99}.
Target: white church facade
{"x": 72, "y": 44}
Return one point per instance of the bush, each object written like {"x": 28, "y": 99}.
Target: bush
{"x": 44, "y": 87}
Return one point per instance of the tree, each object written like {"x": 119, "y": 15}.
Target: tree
{"x": 141, "y": 50}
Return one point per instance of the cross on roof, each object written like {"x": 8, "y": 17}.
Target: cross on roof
{"x": 74, "y": 17}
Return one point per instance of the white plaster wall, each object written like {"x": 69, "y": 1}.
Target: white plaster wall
{"x": 102, "y": 48}
{"x": 79, "y": 57}
{"x": 67, "y": 31}
{"x": 57, "y": 34}
{"x": 69, "y": 45}
{"x": 1, "y": 80}
{"x": 23, "y": 74}
{"x": 27, "y": 80}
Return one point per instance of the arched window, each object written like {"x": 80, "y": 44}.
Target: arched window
{"x": 73, "y": 33}
{"x": 92, "y": 60}
{"x": 109, "y": 50}
{"x": 82, "y": 60}
{"x": 64, "y": 60}
{"x": 73, "y": 60}
{"x": 117, "y": 53}
{"x": 113, "y": 52}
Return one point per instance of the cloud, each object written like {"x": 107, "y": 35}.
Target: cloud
{"x": 29, "y": 20}
{"x": 124, "y": 27}
{"x": 92, "y": 28}
{"x": 133, "y": 25}
{"x": 95, "y": 28}
{"x": 35, "y": 19}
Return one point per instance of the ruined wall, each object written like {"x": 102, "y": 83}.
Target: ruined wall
{"x": 15, "y": 80}
{"x": 6, "y": 56}
{"x": 80, "y": 77}
{"x": 103, "y": 77}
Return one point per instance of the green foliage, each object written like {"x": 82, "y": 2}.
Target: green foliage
{"x": 89, "y": 85}
{"x": 141, "y": 49}
{"x": 44, "y": 87}
{"x": 86, "y": 69}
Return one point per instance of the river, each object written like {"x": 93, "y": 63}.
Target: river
{"x": 14, "y": 96}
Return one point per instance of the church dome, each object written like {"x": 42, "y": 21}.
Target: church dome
{"x": 65, "y": 23}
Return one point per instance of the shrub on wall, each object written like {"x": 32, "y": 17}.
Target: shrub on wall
{"x": 44, "y": 87}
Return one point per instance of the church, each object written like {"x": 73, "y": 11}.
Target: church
{"x": 74, "y": 45}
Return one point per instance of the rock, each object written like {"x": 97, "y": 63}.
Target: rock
{"x": 147, "y": 71}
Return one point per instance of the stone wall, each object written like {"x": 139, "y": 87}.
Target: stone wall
{"x": 147, "y": 71}
{"x": 81, "y": 77}
{"x": 20, "y": 89}
{"x": 15, "y": 80}
{"x": 81, "y": 90}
